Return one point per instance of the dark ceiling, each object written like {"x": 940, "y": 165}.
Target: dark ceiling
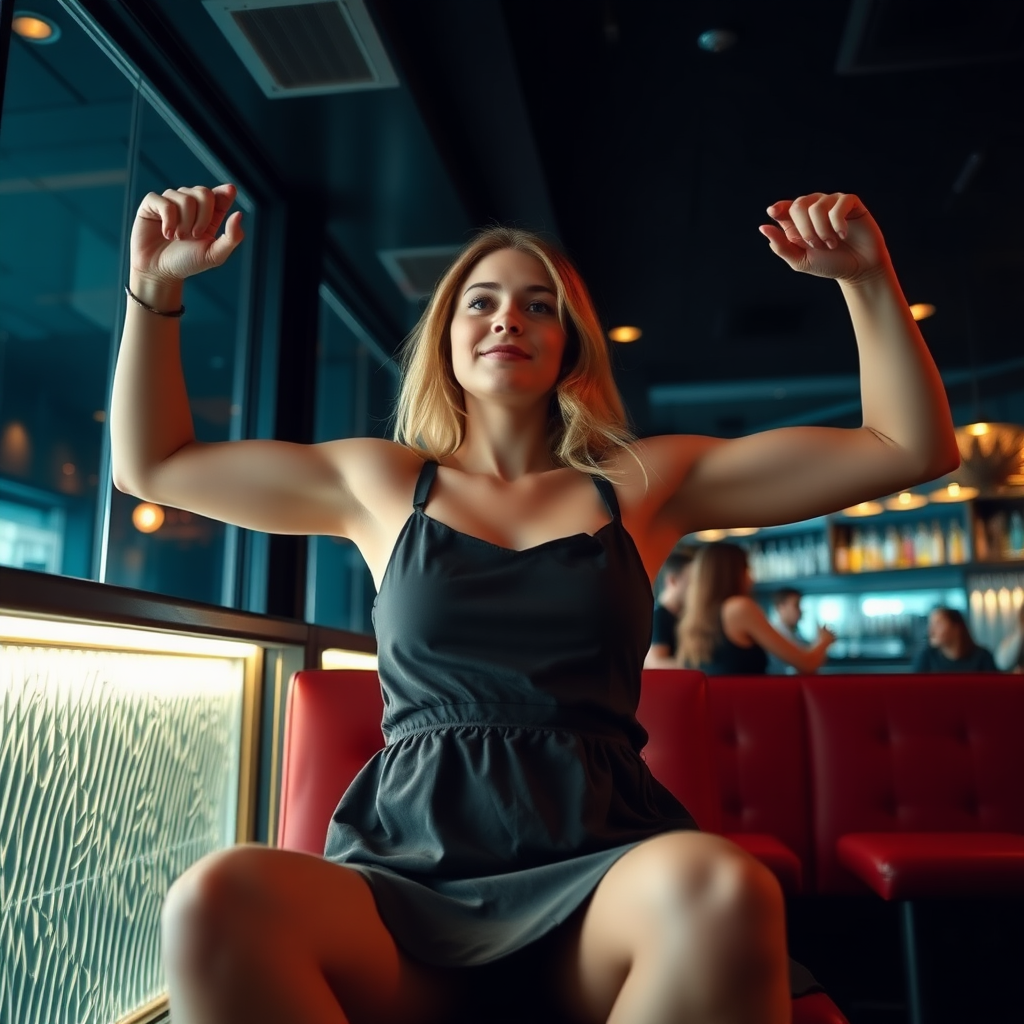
{"x": 602, "y": 122}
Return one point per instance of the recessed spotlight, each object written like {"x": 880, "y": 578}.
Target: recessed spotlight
{"x": 922, "y": 310}
{"x": 147, "y": 518}
{"x": 864, "y": 508}
{"x": 35, "y": 28}
{"x": 905, "y": 501}
{"x": 625, "y": 334}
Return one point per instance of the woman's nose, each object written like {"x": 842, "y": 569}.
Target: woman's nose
{"x": 506, "y": 324}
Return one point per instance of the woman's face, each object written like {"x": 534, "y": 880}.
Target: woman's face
{"x": 507, "y": 342}
{"x": 940, "y": 630}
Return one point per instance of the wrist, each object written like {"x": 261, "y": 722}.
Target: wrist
{"x": 161, "y": 293}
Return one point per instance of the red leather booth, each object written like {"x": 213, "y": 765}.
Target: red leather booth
{"x": 332, "y": 728}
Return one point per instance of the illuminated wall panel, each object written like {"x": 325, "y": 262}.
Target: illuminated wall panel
{"x": 117, "y": 771}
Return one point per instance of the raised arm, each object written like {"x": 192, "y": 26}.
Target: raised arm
{"x": 264, "y": 485}
{"x": 794, "y": 473}
{"x": 742, "y": 618}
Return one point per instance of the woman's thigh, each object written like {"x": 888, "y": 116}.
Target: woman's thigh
{"x": 271, "y": 915}
{"x": 675, "y": 878}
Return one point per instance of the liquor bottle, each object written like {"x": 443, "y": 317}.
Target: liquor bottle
{"x": 842, "y": 552}
{"x": 956, "y": 547}
{"x": 856, "y": 552}
{"x": 872, "y": 550}
{"x": 922, "y": 546}
{"x": 1016, "y": 538}
{"x": 891, "y": 548}
{"x": 906, "y": 548}
{"x": 938, "y": 545}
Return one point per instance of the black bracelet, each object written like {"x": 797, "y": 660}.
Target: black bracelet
{"x": 159, "y": 312}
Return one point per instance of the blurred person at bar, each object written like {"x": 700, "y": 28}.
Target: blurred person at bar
{"x": 724, "y": 631}
{"x": 951, "y": 648}
{"x": 668, "y": 609}
{"x": 786, "y": 605}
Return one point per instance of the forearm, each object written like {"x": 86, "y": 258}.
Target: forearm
{"x": 902, "y": 394}
{"x": 150, "y": 418}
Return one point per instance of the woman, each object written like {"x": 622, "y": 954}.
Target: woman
{"x": 951, "y": 648}
{"x": 512, "y": 529}
{"x": 724, "y": 632}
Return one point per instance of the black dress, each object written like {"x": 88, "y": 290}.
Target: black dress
{"x": 511, "y": 779}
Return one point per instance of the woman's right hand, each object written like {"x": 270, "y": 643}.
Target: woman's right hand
{"x": 826, "y": 638}
{"x": 175, "y": 234}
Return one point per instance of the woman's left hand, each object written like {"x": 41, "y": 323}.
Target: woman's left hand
{"x": 828, "y": 235}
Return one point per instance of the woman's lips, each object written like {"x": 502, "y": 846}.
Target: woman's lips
{"x": 505, "y": 352}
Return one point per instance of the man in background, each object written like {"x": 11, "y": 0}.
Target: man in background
{"x": 668, "y": 609}
{"x": 786, "y": 604}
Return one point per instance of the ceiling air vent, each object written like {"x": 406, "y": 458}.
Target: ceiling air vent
{"x": 416, "y": 271}
{"x": 304, "y": 48}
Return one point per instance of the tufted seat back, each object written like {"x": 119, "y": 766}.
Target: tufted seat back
{"x": 939, "y": 754}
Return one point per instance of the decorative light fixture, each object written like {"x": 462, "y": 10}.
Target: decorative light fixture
{"x": 35, "y": 28}
{"x": 921, "y": 310}
{"x": 742, "y": 531}
{"x": 992, "y": 459}
{"x": 625, "y": 334}
{"x": 905, "y": 501}
{"x": 864, "y": 508}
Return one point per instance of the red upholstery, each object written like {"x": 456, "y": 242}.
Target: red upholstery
{"x": 332, "y": 728}
{"x": 923, "y": 754}
{"x": 909, "y": 865}
{"x": 673, "y": 710}
{"x": 759, "y": 745}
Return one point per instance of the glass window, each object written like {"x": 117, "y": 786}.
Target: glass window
{"x": 64, "y": 172}
{"x": 356, "y": 387}
{"x": 168, "y": 550}
{"x": 82, "y": 139}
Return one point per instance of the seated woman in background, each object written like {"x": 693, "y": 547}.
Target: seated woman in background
{"x": 951, "y": 648}
{"x": 723, "y": 630}
{"x": 1009, "y": 655}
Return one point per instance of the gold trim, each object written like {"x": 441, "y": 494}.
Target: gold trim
{"x": 154, "y": 1010}
{"x": 248, "y": 754}
{"x": 275, "y": 752}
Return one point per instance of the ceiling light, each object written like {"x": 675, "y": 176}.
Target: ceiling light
{"x": 709, "y": 535}
{"x": 953, "y": 492}
{"x": 35, "y": 27}
{"x": 905, "y": 501}
{"x": 922, "y": 310}
{"x": 742, "y": 531}
{"x": 624, "y": 334}
{"x": 864, "y": 508}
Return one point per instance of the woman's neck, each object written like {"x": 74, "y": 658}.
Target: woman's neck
{"x": 955, "y": 649}
{"x": 504, "y": 441}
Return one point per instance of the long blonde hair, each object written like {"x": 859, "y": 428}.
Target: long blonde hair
{"x": 718, "y": 573}
{"x": 586, "y": 417}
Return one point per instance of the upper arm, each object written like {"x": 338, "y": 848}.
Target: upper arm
{"x": 742, "y": 615}
{"x": 778, "y": 476}
{"x": 272, "y": 486}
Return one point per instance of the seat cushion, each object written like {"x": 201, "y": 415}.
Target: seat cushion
{"x": 909, "y": 865}
{"x": 816, "y": 1009}
{"x": 775, "y": 855}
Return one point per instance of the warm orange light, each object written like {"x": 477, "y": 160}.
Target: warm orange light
{"x": 904, "y": 501}
{"x": 954, "y": 492}
{"x": 742, "y": 531}
{"x": 864, "y": 508}
{"x": 625, "y": 334}
{"x": 977, "y": 429}
{"x": 922, "y": 310}
{"x": 100, "y": 415}
{"x": 34, "y": 28}
{"x": 709, "y": 535}
{"x": 147, "y": 518}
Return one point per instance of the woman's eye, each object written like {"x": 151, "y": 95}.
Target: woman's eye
{"x": 479, "y": 302}
{"x": 540, "y": 307}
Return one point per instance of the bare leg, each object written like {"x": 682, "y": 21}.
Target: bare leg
{"x": 258, "y": 935}
{"x": 684, "y": 928}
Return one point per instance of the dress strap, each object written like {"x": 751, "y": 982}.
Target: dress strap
{"x": 607, "y": 492}
{"x": 423, "y": 485}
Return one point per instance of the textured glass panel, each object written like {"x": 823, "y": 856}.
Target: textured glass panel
{"x": 117, "y": 771}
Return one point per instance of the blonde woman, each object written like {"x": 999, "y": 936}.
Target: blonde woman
{"x": 723, "y": 630}
{"x": 510, "y": 829}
